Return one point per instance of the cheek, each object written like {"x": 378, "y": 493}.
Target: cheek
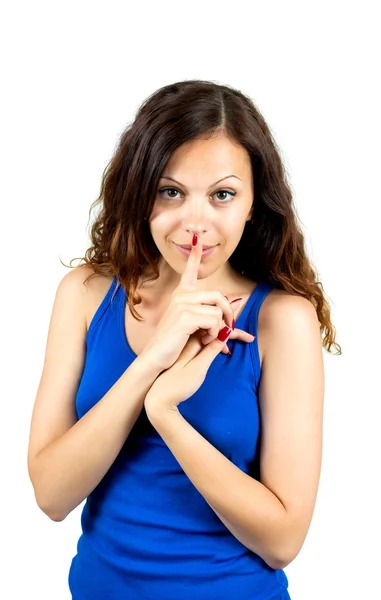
{"x": 161, "y": 218}
{"x": 162, "y": 227}
{"x": 232, "y": 229}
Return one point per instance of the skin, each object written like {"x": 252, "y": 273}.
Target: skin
{"x": 199, "y": 207}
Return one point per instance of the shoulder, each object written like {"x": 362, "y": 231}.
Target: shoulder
{"x": 80, "y": 280}
{"x": 88, "y": 286}
{"x": 280, "y": 304}
{"x": 285, "y": 316}
{"x": 77, "y": 275}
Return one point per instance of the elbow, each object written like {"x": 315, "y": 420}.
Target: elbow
{"x": 288, "y": 547}
{"x": 50, "y": 507}
{"x": 48, "y": 510}
{"x": 55, "y": 518}
{"x": 277, "y": 563}
{"x": 275, "y": 560}
{"x": 51, "y": 514}
{"x": 45, "y": 506}
{"x": 281, "y": 561}
{"x": 283, "y": 554}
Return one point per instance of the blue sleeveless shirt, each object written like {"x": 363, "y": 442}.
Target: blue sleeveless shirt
{"x": 147, "y": 532}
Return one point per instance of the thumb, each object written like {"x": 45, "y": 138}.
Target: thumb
{"x": 204, "y": 358}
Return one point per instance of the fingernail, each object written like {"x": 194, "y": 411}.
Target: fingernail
{"x": 233, "y": 325}
{"x": 236, "y": 300}
{"x": 228, "y": 351}
{"x": 224, "y": 334}
{"x": 194, "y": 240}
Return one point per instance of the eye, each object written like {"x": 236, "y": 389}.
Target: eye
{"x": 223, "y": 191}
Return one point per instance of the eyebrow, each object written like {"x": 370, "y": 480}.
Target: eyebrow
{"x": 213, "y": 184}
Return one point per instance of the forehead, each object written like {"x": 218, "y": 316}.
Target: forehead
{"x": 210, "y": 158}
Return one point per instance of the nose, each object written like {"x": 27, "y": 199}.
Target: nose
{"x": 196, "y": 220}
{"x": 193, "y": 229}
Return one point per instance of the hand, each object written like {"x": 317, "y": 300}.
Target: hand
{"x": 189, "y": 311}
{"x": 183, "y": 379}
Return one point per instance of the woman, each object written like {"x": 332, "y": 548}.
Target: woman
{"x": 199, "y": 461}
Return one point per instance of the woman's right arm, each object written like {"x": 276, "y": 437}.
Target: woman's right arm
{"x": 67, "y": 457}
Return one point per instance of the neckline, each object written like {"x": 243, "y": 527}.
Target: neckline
{"x": 121, "y": 309}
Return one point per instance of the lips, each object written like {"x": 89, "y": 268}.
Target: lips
{"x": 206, "y": 250}
{"x": 188, "y": 246}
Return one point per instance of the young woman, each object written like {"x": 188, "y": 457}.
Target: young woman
{"x": 192, "y": 427}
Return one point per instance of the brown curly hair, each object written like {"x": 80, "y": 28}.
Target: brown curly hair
{"x": 271, "y": 248}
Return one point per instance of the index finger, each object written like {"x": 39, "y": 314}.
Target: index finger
{"x": 189, "y": 276}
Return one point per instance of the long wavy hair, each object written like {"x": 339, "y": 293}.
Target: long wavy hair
{"x": 271, "y": 248}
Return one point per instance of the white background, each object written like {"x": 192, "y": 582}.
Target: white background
{"x": 73, "y": 74}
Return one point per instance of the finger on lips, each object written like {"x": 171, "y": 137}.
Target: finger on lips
{"x": 189, "y": 276}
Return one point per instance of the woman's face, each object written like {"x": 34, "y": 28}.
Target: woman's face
{"x": 195, "y": 203}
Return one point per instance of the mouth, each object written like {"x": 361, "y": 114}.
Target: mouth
{"x": 188, "y": 246}
{"x": 186, "y": 249}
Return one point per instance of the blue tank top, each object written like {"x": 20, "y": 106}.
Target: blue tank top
{"x": 147, "y": 532}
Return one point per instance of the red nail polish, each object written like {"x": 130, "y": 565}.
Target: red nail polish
{"x": 224, "y": 334}
{"x": 194, "y": 240}
{"x": 236, "y": 300}
{"x": 233, "y": 325}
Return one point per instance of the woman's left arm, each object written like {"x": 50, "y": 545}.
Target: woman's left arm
{"x": 271, "y": 517}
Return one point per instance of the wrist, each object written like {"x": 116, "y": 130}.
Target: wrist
{"x": 160, "y": 415}
{"x": 147, "y": 367}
